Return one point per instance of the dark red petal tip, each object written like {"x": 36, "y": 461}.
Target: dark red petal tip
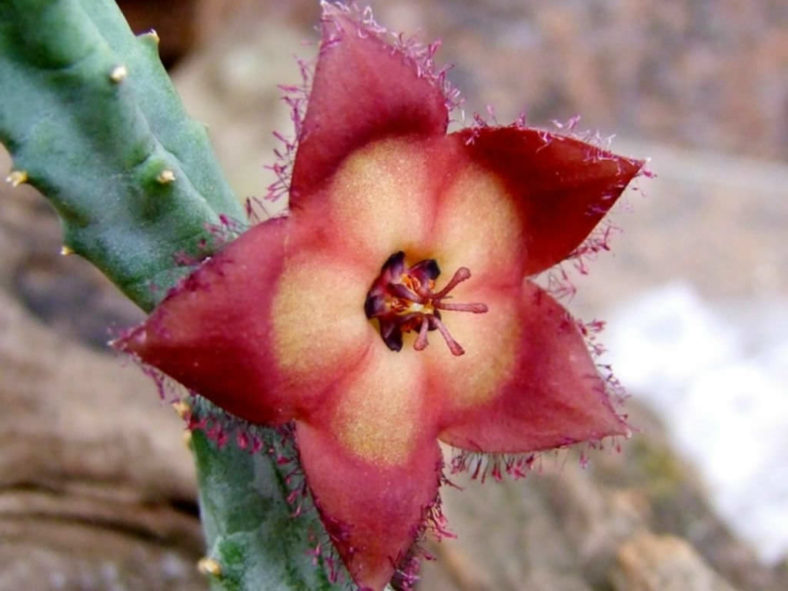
{"x": 554, "y": 397}
{"x": 563, "y": 186}
{"x": 372, "y": 512}
{"x": 212, "y": 332}
{"x": 363, "y": 89}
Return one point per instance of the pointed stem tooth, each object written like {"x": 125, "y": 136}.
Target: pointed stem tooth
{"x": 16, "y": 177}
{"x": 209, "y": 566}
{"x": 119, "y": 74}
{"x": 182, "y": 408}
{"x": 152, "y": 34}
{"x": 66, "y": 250}
{"x": 165, "y": 177}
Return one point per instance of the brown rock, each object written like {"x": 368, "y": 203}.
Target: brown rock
{"x": 96, "y": 487}
{"x": 663, "y": 563}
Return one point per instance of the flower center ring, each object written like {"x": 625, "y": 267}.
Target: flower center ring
{"x": 403, "y": 300}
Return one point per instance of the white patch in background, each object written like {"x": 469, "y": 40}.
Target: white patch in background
{"x": 718, "y": 377}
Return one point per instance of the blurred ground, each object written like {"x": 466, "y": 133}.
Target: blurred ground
{"x": 95, "y": 487}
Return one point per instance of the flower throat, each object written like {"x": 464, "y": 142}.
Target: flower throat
{"x": 403, "y": 300}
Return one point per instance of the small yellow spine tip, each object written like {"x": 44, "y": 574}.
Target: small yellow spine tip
{"x": 152, "y": 34}
{"x": 165, "y": 177}
{"x": 182, "y": 408}
{"x": 209, "y": 566}
{"x": 66, "y": 251}
{"x": 118, "y": 74}
{"x": 16, "y": 177}
{"x": 187, "y": 438}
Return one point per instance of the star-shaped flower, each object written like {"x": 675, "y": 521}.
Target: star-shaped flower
{"x": 340, "y": 318}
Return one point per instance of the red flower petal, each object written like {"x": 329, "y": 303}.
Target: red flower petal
{"x": 564, "y": 186}
{"x": 553, "y": 395}
{"x": 239, "y": 329}
{"x": 371, "y": 459}
{"x": 363, "y": 90}
{"x": 373, "y": 513}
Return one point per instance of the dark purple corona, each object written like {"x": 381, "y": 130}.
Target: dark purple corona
{"x": 402, "y": 299}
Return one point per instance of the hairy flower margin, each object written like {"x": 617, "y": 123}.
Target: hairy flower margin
{"x": 337, "y": 322}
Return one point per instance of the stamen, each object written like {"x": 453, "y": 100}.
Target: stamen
{"x": 454, "y": 346}
{"x": 474, "y": 308}
{"x": 402, "y": 299}
{"x": 399, "y": 290}
{"x": 460, "y": 275}
{"x": 421, "y": 341}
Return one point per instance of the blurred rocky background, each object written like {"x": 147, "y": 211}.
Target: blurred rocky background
{"x": 97, "y": 489}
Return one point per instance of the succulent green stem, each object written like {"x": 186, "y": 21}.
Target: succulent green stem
{"x": 91, "y": 118}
